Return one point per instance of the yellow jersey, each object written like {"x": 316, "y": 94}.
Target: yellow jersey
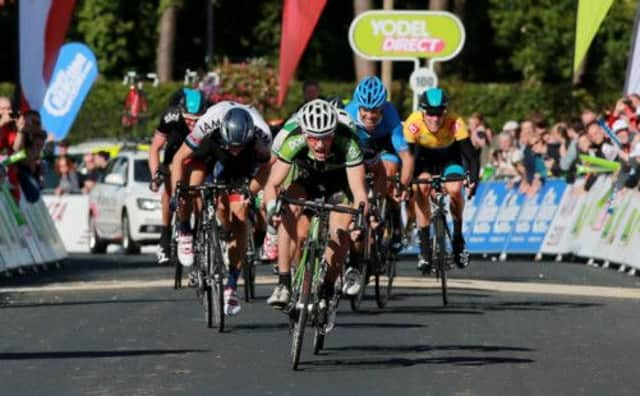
{"x": 415, "y": 131}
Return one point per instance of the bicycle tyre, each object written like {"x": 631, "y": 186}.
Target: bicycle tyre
{"x": 300, "y": 325}
{"x": 357, "y": 299}
{"x": 318, "y": 341}
{"x": 215, "y": 267}
{"x": 386, "y": 265}
{"x": 440, "y": 253}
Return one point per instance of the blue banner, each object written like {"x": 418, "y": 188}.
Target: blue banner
{"x": 76, "y": 70}
{"x": 481, "y": 237}
{"x": 534, "y": 218}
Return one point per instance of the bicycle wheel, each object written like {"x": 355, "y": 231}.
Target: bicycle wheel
{"x": 440, "y": 254}
{"x": 215, "y": 280}
{"x": 364, "y": 274}
{"x": 173, "y": 251}
{"x": 301, "y": 307}
{"x": 386, "y": 265}
{"x": 318, "y": 341}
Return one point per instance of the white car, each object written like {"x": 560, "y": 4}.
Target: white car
{"x": 122, "y": 209}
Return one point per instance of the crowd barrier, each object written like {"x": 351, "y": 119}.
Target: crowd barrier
{"x": 70, "y": 214}
{"x": 28, "y": 235}
{"x": 561, "y": 219}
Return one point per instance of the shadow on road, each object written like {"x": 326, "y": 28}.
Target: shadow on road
{"x": 93, "y": 302}
{"x": 395, "y": 361}
{"x": 95, "y": 354}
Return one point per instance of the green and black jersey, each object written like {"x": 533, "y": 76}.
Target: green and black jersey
{"x": 345, "y": 151}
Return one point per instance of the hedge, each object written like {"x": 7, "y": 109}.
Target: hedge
{"x": 102, "y": 110}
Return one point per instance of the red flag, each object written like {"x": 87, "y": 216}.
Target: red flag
{"x": 299, "y": 18}
{"x": 43, "y": 26}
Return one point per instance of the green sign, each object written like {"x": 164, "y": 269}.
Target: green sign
{"x": 406, "y": 35}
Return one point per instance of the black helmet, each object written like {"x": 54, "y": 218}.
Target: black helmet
{"x": 237, "y": 127}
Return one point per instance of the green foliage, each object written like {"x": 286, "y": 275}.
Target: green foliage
{"x": 539, "y": 34}
{"x": 121, "y": 33}
{"x": 248, "y": 82}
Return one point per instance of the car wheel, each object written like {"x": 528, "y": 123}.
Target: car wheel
{"x": 96, "y": 245}
{"x": 129, "y": 245}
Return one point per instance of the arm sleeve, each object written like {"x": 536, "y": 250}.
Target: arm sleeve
{"x": 397, "y": 139}
{"x": 470, "y": 158}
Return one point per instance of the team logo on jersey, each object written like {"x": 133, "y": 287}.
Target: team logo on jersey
{"x": 414, "y": 128}
{"x": 171, "y": 116}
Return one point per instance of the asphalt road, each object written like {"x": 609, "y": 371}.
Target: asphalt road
{"x": 111, "y": 325}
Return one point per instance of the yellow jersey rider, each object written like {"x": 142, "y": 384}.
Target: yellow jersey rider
{"x": 441, "y": 145}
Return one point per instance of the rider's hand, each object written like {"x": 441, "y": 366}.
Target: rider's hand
{"x": 153, "y": 186}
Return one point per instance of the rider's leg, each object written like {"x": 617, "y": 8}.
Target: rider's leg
{"x": 165, "y": 232}
{"x": 338, "y": 244}
{"x": 287, "y": 235}
{"x": 456, "y": 199}
{"x": 423, "y": 219}
{"x": 183, "y": 220}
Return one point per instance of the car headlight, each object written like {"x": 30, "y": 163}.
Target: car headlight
{"x": 148, "y": 204}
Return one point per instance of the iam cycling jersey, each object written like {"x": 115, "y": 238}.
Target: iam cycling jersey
{"x": 385, "y": 140}
{"x": 208, "y": 126}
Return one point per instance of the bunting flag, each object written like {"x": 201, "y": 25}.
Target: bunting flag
{"x": 43, "y": 26}
{"x": 299, "y": 19}
{"x": 590, "y": 16}
{"x": 632, "y": 82}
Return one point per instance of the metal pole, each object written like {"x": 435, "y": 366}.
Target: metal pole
{"x": 416, "y": 66}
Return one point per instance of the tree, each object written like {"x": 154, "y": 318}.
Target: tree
{"x": 363, "y": 67}
{"x": 168, "y": 10}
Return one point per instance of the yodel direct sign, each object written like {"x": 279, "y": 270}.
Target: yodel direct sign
{"x": 406, "y": 35}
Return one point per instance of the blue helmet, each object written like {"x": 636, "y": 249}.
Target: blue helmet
{"x": 370, "y": 93}
{"x": 189, "y": 100}
{"x": 433, "y": 98}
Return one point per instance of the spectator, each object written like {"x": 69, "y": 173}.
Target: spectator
{"x": 556, "y": 141}
{"x": 91, "y": 175}
{"x": 62, "y": 147}
{"x": 506, "y": 157}
{"x": 102, "y": 160}
{"x": 69, "y": 181}
{"x": 310, "y": 90}
{"x": 587, "y": 117}
{"x": 30, "y": 169}
{"x": 535, "y": 170}
{"x": 569, "y": 155}
{"x": 526, "y": 132}
{"x": 10, "y": 141}
{"x": 596, "y": 136}
{"x": 513, "y": 129}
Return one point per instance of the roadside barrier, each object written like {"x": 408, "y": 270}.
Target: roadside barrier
{"x": 28, "y": 236}
{"x": 599, "y": 224}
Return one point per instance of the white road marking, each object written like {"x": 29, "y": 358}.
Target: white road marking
{"x": 402, "y": 281}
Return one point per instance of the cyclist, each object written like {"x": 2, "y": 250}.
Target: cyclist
{"x": 320, "y": 158}
{"x": 270, "y": 245}
{"x": 185, "y": 107}
{"x": 441, "y": 146}
{"x": 235, "y": 141}
{"x": 379, "y": 132}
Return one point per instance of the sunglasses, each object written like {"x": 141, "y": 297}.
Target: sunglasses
{"x": 434, "y": 112}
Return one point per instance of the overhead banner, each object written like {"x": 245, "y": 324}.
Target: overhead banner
{"x": 73, "y": 76}
{"x": 43, "y": 26}
{"x": 406, "y": 35}
{"x": 590, "y": 16}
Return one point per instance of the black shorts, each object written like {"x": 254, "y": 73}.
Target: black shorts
{"x": 435, "y": 161}
{"x": 332, "y": 186}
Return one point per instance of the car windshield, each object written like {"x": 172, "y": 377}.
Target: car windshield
{"x": 141, "y": 171}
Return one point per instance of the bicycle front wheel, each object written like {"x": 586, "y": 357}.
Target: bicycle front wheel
{"x": 440, "y": 255}
{"x": 386, "y": 264}
{"x": 303, "y": 312}
{"x": 215, "y": 280}
{"x": 318, "y": 341}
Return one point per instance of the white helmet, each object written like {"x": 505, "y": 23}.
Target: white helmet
{"x": 318, "y": 118}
